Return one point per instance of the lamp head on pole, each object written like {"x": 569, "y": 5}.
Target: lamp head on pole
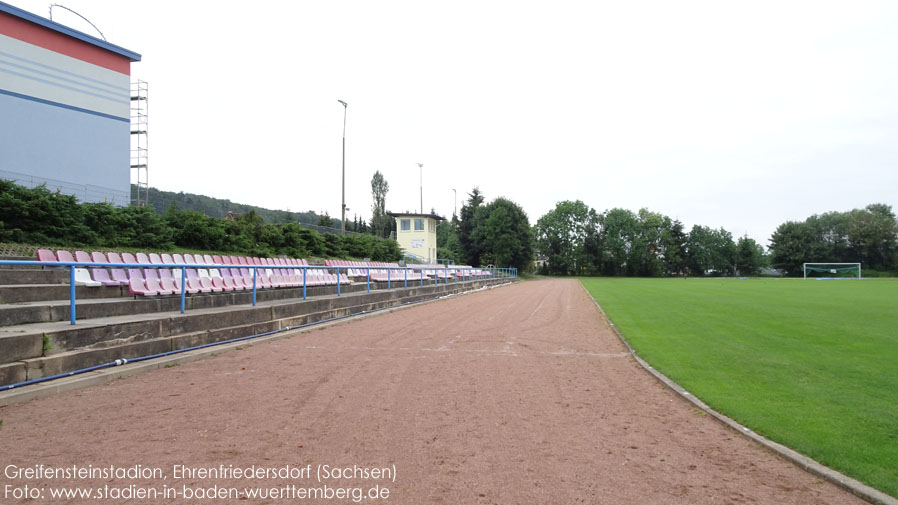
{"x": 344, "y": 103}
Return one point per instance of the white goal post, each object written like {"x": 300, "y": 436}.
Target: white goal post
{"x": 831, "y": 268}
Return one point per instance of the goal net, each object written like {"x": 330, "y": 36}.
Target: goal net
{"x": 832, "y": 270}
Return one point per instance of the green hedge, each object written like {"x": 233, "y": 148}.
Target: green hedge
{"x": 39, "y": 216}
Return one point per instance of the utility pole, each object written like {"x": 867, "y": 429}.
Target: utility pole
{"x": 421, "y": 179}
{"x": 343, "y": 201}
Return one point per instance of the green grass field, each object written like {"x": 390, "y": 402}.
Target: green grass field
{"x": 810, "y": 364}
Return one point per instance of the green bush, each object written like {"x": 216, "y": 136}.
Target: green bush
{"x": 39, "y": 216}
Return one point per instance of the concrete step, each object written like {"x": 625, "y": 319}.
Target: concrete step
{"x": 19, "y": 293}
{"x": 29, "y": 276}
{"x": 17, "y": 267}
{"x": 121, "y": 303}
{"x": 34, "y": 351}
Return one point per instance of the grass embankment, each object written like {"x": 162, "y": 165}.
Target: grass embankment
{"x": 810, "y": 364}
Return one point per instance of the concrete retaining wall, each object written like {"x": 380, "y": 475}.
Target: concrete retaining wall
{"x": 58, "y": 347}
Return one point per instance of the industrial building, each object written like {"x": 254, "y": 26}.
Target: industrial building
{"x": 65, "y": 109}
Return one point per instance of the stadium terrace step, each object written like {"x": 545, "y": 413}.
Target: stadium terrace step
{"x": 4, "y": 268}
{"x": 19, "y": 293}
{"x": 9, "y": 276}
{"x": 88, "y": 307}
{"x": 38, "y": 350}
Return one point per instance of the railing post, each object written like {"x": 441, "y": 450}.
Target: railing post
{"x": 183, "y": 287}
{"x": 368, "y": 279}
{"x": 72, "y": 294}
{"x": 304, "y": 270}
{"x": 255, "y": 269}
{"x": 421, "y": 276}
{"x": 389, "y": 277}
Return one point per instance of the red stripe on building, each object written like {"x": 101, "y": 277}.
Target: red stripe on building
{"x": 37, "y": 35}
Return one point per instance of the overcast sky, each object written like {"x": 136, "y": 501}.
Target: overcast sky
{"x": 735, "y": 115}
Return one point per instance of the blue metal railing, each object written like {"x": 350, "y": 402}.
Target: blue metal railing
{"x": 467, "y": 274}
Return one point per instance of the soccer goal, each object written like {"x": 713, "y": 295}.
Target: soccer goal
{"x": 831, "y": 269}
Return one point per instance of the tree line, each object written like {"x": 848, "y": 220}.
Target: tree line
{"x": 39, "y": 216}
{"x": 868, "y": 236}
{"x": 496, "y": 233}
{"x": 574, "y": 239}
{"x": 220, "y": 207}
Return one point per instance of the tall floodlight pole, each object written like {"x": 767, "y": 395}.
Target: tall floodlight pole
{"x": 454, "y": 202}
{"x": 343, "y": 201}
{"x": 421, "y": 181}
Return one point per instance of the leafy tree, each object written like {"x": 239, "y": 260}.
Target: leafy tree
{"x": 673, "y": 243}
{"x": 749, "y": 256}
{"x": 710, "y": 250}
{"x": 379, "y": 189}
{"x": 470, "y": 247}
{"x": 792, "y": 244}
{"x": 325, "y": 221}
{"x": 618, "y": 229}
{"x": 448, "y": 246}
{"x": 561, "y": 237}
{"x": 504, "y": 234}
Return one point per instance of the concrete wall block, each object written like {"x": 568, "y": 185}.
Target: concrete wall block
{"x": 12, "y": 373}
{"x": 10, "y": 276}
{"x": 120, "y": 307}
{"x": 11, "y": 315}
{"x": 105, "y": 336}
{"x": 16, "y": 346}
{"x": 75, "y": 360}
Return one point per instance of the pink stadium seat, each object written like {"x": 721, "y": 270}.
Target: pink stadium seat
{"x": 143, "y": 258}
{"x": 261, "y": 281}
{"x": 218, "y": 260}
{"x": 101, "y": 275}
{"x": 167, "y": 259}
{"x": 256, "y": 261}
{"x": 218, "y": 281}
{"x": 208, "y": 259}
{"x": 178, "y": 259}
{"x": 119, "y": 275}
{"x": 152, "y": 283}
{"x": 167, "y": 282}
{"x": 196, "y": 282}
{"x": 129, "y": 258}
{"x": 137, "y": 285}
{"x": 206, "y": 280}
{"x": 240, "y": 279}
{"x": 156, "y": 259}
{"x": 235, "y": 260}
{"x": 189, "y": 259}
{"x": 45, "y": 255}
{"x": 63, "y": 255}
{"x": 170, "y": 278}
{"x": 98, "y": 257}
{"x": 82, "y": 257}
{"x": 235, "y": 283}
{"x": 114, "y": 257}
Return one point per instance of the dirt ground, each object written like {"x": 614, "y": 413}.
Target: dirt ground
{"x": 520, "y": 394}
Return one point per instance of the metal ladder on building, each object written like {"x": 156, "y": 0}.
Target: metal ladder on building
{"x": 139, "y": 142}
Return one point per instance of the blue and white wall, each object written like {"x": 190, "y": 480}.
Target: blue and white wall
{"x": 64, "y": 109}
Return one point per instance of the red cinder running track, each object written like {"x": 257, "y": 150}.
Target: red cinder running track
{"x": 520, "y": 394}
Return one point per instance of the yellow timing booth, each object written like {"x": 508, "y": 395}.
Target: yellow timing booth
{"x": 417, "y": 234}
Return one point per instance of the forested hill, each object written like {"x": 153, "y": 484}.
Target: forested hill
{"x": 218, "y": 207}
